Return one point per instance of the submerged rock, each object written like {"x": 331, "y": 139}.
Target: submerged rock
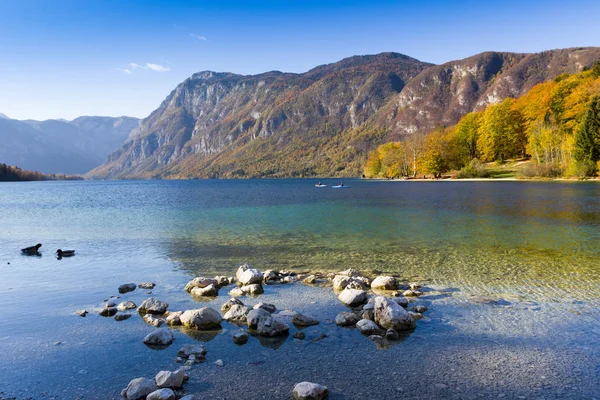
{"x": 346, "y": 318}
{"x": 203, "y": 318}
{"x": 153, "y": 306}
{"x": 415, "y": 315}
{"x": 225, "y": 307}
{"x": 391, "y": 334}
{"x": 421, "y": 309}
{"x": 303, "y": 320}
{"x": 170, "y": 379}
{"x": 353, "y": 297}
{"x": 162, "y": 394}
{"x": 247, "y": 275}
{"x": 122, "y": 316}
{"x": 127, "y": 287}
{"x": 240, "y": 338}
{"x": 309, "y": 391}
{"x": 388, "y": 314}
{"x": 384, "y": 283}
{"x": 126, "y": 305}
{"x": 160, "y": 337}
{"x": 299, "y": 335}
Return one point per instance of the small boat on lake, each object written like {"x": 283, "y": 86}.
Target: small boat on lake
{"x": 320, "y": 185}
{"x": 340, "y": 186}
{"x": 32, "y": 250}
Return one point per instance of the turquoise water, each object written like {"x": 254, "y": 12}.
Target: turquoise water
{"x": 532, "y": 243}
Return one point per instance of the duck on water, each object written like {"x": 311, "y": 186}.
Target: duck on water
{"x": 64, "y": 253}
{"x": 32, "y": 250}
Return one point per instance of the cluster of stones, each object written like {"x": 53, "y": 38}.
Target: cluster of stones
{"x": 378, "y": 317}
{"x": 119, "y": 311}
{"x": 166, "y": 385}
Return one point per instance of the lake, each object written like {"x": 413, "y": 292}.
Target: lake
{"x": 532, "y": 245}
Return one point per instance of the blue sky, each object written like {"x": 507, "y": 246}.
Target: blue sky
{"x": 63, "y": 59}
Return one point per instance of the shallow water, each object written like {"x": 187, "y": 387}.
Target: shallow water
{"x": 533, "y": 244}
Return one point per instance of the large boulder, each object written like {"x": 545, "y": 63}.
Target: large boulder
{"x": 202, "y": 318}
{"x": 207, "y": 291}
{"x": 160, "y": 337}
{"x": 126, "y": 305}
{"x": 200, "y": 282}
{"x": 266, "y": 306}
{"x": 384, "y": 283}
{"x": 388, "y": 314}
{"x": 353, "y": 297}
{"x": 237, "y": 314}
{"x": 309, "y": 391}
{"x": 271, "y": 326}
{"x": 254, "y": 316}
{"x": 152, "y": 320}
{"x": 368, "y": 327}
{"x": 153, "y": 306}
{"x": 170, "y": 379}
{"x": 247, "y": 275}
{"x": 139, "y": 388}
{"x": 232, "y": 301}
{"x": 346, "y": 319}
{"x": 162, "y": 394}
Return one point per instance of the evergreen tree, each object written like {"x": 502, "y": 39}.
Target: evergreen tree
{"x": 587, "y": 138}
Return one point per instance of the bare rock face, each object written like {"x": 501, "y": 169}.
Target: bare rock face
{"x": 353, "y": 297}
{"x": 309, "y": 391}
{"x": 153, "y": 306}
{"x": 139, "y": 388}
{"x": 201, "y": 282}
{"x": 384, "y": 283}
{"x": 246, "y": 275}
{"x": 203, "y": 318}
{"x": 388, "y": 314}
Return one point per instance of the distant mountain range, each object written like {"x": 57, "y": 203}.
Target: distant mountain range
{"x": 59, "y": 146}
{"x": 322, "y": 122}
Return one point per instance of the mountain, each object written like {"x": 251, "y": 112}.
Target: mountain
{"x": 322, "y": 122}
{"x": 3, "y": 116}
{"x": 59, "y": 146}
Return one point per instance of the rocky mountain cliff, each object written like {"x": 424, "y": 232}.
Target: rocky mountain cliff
{"x": 324, "y": 121}
{"x": 58, "y": 146}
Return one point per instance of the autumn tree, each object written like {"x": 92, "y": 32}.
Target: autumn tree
{"x": 501, "y": 133}
{"x": 464, "y": 138}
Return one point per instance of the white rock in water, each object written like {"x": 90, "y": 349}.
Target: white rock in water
{"x": 153, "y": 306}
{"x": 139, "y": 388}
{"x": 162, "y": 394}
{"x": 225, "y": 307}
{"x": 384, "y": 283}
{"x": 200, "y": 282}
{"x": 309, "y": 391}
{"x": 147, "y": 285}
{"x": 152, "y": 320}
{"x": 252, "y": 289}
{"x": 346, "y": 319}
{"x": 203, "y": 318}
{"x": 160, "y": 337}
{"x": 168, "y": 379}
{"x": 247, "y": 275}
{"x": 236, "y": 292}
{"x": 173, "y": 318}
{"x": 388, "y": 314}
{"x": 270, "y": 326}
{"x": 266, "y": 306}
{"x": 254, "y": 316}
{"x": 237, "y": 313}
{"x": 126, "y": 305}
{"x": 207, "y": 291}
{"x": 353, "y": 297}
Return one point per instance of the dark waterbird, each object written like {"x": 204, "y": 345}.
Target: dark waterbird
{"x": 31, "y": 251}
{"x": 64, "y": 253}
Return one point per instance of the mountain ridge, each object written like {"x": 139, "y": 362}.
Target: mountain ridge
{"x": 321, "y": 122}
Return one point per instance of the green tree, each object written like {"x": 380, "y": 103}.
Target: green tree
{"x": 586, "y": 148}
{"x": 465, "y": 136}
